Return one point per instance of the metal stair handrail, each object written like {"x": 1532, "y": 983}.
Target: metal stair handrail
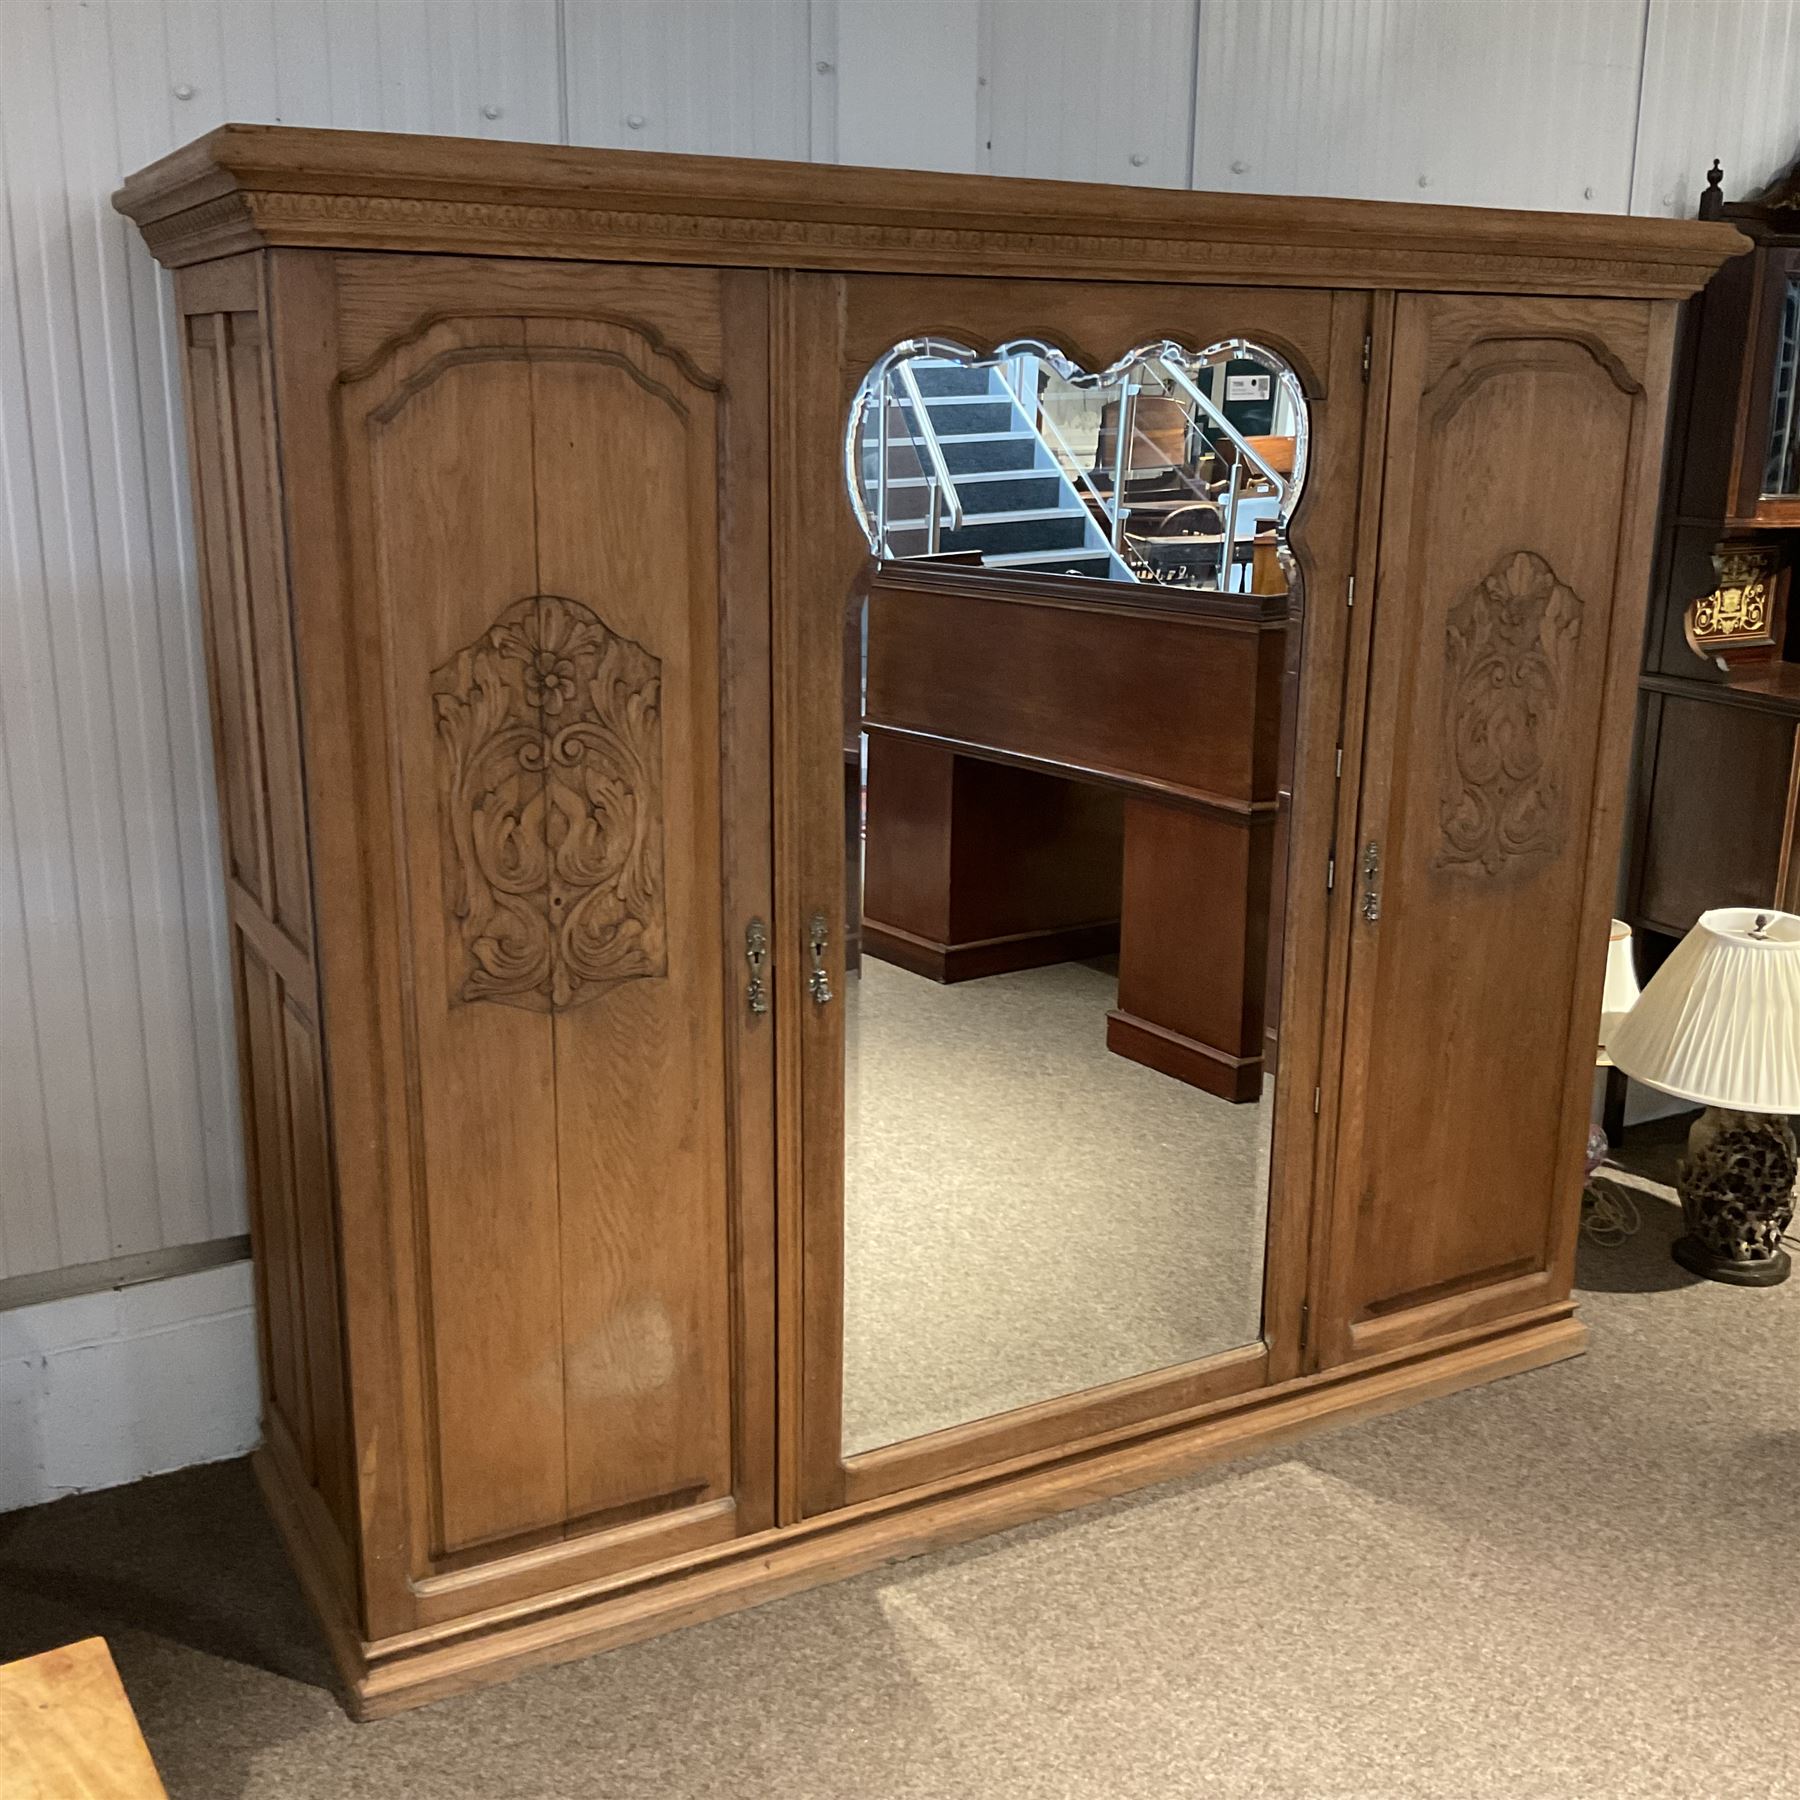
{"x": 934, "y": 449}
{"x": 1192, "y": 389}
{"x": 941, "y": 481}
{"x": 1065, "y": 458}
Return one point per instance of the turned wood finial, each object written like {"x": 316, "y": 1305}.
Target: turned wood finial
{"x": 1712, "y": 202}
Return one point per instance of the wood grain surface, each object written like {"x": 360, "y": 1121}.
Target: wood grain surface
{"x": 67, "y": 1731}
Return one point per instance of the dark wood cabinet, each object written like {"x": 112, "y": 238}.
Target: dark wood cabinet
{"x": 1717, "y": 779}
{"x": 526, "y": 546}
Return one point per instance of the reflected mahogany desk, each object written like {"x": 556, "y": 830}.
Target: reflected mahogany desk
{"x": 1018, "y": 727}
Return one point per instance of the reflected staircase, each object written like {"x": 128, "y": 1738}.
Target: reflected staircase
{"x": 1009, "y": 498}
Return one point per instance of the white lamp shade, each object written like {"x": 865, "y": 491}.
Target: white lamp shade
{"x": 1621, "y": 992}
{"x": 1719, "y": 1023}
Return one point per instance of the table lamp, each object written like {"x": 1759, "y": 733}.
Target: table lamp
{"x": 1618, "y": 997}
{"x": 1621, "y": 991}
{"x": 1720, "y": 1024}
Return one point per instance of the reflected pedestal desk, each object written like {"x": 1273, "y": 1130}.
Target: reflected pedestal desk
{"x": 524, "y": 545}
{"x": 1001, "y": 720}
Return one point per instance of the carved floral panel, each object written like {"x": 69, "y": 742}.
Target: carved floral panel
{"x": 550, "y": 780}
{"x": 1509, "y": 654}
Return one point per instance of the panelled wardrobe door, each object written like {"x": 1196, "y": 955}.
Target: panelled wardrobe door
{"x": 1522, "y": 437}
{"x": 573, "y": 699}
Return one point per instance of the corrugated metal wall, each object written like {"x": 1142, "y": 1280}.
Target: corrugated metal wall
{"x": 117, "y": 1115}
{"x": 1527, "y": 103}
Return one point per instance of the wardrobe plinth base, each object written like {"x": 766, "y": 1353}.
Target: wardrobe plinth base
{"x": 393, "y": 1674}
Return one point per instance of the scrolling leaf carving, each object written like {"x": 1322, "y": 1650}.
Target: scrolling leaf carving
{"x": 550, "y": 780}
{"x": 1509, "y": 651}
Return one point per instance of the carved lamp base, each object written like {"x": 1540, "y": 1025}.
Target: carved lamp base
{"x": 1737, "y": 1196}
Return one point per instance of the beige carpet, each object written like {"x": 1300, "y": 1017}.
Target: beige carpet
{"x": 1577, "y": 1583}
{"x": 1025, "y": 1213}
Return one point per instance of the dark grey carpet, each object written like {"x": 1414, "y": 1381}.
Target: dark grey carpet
{"x": 1575, "y": 1583}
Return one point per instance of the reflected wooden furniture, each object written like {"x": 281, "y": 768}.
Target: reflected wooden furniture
{"x": 1266, "y": 573}
{"x": 1159, "y": 434}
{"x": 1001, "y": 713}
{"x": 1277, "y": 452}
{"x": 978, "y": 867}
{"x": 1716, "y": 820}
{"x": 67, "y": 1731}
{"x": 524, "y": 547}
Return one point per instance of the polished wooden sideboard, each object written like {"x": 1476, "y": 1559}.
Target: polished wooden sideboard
{"x": 519, "y": 483}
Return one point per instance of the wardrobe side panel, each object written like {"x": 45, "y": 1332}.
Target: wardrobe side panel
{"x": 235, "y": 469}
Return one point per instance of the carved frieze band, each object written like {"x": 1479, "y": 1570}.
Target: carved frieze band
{"x": 550, "y": 785}
{"x": 1509, "y": 656}
{"x": 289, "y": 215}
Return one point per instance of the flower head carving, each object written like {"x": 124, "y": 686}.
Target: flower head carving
{"x": 1509, "y": 649}
{"x": 550, "y": 759}
{"x": 549, "y": 682}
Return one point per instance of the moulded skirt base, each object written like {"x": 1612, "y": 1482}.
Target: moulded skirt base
{"x": 389, "y": 1675}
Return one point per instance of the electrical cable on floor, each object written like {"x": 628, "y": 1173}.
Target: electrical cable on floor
{"x": 1609, "y": 1215}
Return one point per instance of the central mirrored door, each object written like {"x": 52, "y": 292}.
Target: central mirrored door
{"x": 1069, "y": 718}
{"x": 1057, "y": 1158}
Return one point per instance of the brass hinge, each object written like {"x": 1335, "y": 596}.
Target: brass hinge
{"x": 1330, "y": 873}
{"x": 1339, "y": 770}
{"x": 1305, "y": 1324}
{"x": 1316, "y": 1097}
{"x": 1368, "y": 340}
{"x": 1350, "y": 592}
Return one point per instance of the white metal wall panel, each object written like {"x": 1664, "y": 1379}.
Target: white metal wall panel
{"x": 1721, "y": 78}
{"x": 1485, "y": 102}
{"x": 118, "y": 1108}
{"x": 714, "y": 77}
{"x": 1078, "y": 92}
{"x": 467, "y": 68}
{"x": 906, "y": 81}
{"x": 85, "y": 707}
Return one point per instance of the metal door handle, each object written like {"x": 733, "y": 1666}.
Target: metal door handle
{"x": 819, "y": 981}
{"x": 756, "y": 951}
{"x": 1371, "y": 870}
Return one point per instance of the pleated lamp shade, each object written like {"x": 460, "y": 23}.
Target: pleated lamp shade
{"x": 1719, "y": 1023}
{"x": 1621, "y": 992}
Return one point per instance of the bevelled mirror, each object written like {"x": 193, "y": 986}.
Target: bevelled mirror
{"x": 1069, "y": 706}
